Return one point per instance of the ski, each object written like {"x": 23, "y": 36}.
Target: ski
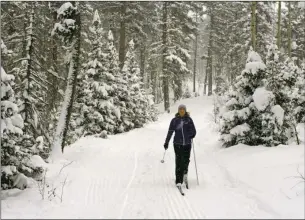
{"x": 180, "y": 190}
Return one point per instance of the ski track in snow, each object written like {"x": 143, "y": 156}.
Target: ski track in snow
{"x": 129, "y": 184}
{"x": 122, "y": 177}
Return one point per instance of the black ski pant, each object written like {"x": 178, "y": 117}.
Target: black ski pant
{"x": 183, "y": 153}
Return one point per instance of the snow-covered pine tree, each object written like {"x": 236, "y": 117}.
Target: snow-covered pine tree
{"x": 136, "y": 104}
{"x": 177, "y": 32}
{"x": 120, "y": 91}
{"x": 298, "y": 44}
{"x": 98, "y": 110}
{"x": 76, "y": 130}
{"x": 250, "y": 115}
{"x": 219, "y": 95}
{"x": 155, "y": 58}
{"x": 30, "y": 77}
{"x": 238, "y": 35}
{"x": 298, "y": 97}
{"x": 139, "y": 104}
{"x": 28, "y": 37}
{"x": 16, "y": 159}
{"x": 282, "y": 77}
{"x": 264, "y": 21}
{"x": 69, "y": 30}
{"x": 187, "y": 93}
{"x": 11, "y": 130}
{"x": 180, "y": 32}
{"x": 293, "y": 40}
{"x": 220, "y": 35}
{"x": 152, "y": 112}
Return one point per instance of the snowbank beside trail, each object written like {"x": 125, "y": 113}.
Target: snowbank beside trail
{"x": 28, "y": 203}
{"x": 272, "y": 175}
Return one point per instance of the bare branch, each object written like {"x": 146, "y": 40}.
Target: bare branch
{"x": 297, "y": 184}
{"x": 62, "y": 189}
{"x": 42, "y": 185}
{"x": 65, "y": 166}
{"x": 301, "y": 175}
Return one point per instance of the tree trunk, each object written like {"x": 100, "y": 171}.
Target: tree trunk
{"x": 63, "y": 123}
{"x": 142, "y": 64}
{"x": 29, "y": 52}
{"x": 210, "y": 76}
{"x": 153, "y": 78}
{"x": 231, "y": 71}
{"x": 205, "y": 80}
{"x": 122, "y": 34}
{"x": 210, "y": 56}
{"x": 279, "y": 26}
{"x": 164, "y": 67}
{"x": 195, "y": 57}
{"x": 54, "y": 87}
{"x": 177, "y": 88}
{"x": 253, "y": 25}
{"x": 289, "y": 29}
{"x": 75, "y": 62}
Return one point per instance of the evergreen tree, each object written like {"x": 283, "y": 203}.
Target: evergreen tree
{"x": 238, "y": 35}
{"x": 219, "y": 95}
{"x": 250, "y": 115}
{"x": 16, "y": 157}
{"x": 219, "y": 37}
{"x": 98, "y": 110}
{"x": 131, "y": 73}
{"x": 26, "y": 66}
{"x": 120, "y": 90}
{"x": 237, "y": 32}
{"x": 180, "y": 33}
{"x": 298, "y": 34}
{"x": 298, "y": 97}
{"x": 11, "y": 130}
{"x": 293, "y": 30}
{"x": 282, "y": 77}
{"x": 139, "y": 107}
{"x": 69, "y": 30}
{"x": 264, "y": 20}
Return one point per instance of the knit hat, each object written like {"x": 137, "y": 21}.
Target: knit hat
{"x": 182, "y": 106}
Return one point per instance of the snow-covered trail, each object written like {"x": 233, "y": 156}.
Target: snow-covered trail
{"x": 122, "y": 177}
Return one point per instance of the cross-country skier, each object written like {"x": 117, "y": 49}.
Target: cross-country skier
{"x": 184, "y": 128}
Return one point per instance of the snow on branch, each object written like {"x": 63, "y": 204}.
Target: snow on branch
{"x": 66, "y": 10}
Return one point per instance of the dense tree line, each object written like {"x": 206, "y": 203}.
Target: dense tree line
{"x": 71, "y": 69}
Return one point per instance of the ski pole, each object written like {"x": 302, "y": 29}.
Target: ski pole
{"x": 195, "y": 163}
{"x": 162, "y": 161}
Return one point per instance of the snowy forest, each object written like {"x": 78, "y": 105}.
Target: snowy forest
{"x": 74, "y": 69}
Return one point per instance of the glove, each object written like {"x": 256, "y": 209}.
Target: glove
{"x": 165, "y": 146}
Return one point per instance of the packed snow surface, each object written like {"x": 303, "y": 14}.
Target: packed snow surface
{"x": 122, "y": 177}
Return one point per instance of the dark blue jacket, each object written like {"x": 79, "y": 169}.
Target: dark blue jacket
{"x": 184, "y": 129}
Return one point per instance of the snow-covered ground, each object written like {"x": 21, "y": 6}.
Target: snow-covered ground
{"x": 122, "y": 177}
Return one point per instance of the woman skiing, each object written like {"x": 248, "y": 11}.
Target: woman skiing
{"x": 185, "y": 131}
